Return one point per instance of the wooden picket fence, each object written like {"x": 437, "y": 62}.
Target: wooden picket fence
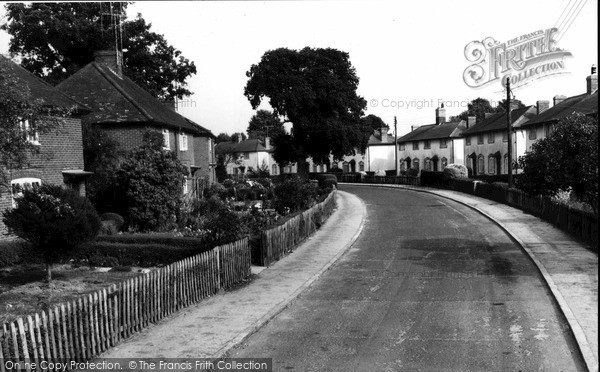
{"x": 82, "y": 329}
{"x": 280, "y": 240}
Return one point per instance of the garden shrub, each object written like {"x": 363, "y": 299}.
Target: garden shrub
{"x": 294, "y": 194}
{"x": 455, "y": 171}
{"x": 103, "y": 253}
{"x": 11, "y": 253}
{"x": 111, "y": 223}
{"x": 412, "y": 172}
{"x": 54, "y": 220}
{"x": 216, "y": 189}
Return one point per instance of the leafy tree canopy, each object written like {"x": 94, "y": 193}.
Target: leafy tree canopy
{"x": 265, "y": 124}
{"x": 481, "y": 106}
{"x": 55, "y": 40}
{"x": 315, "y": 90}
{"x": 566, "y": 160}
{"x": 223, "y": 137}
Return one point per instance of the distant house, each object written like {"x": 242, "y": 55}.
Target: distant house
{"x": 378, "y": 156}
{"x": 431, "y": 147}
{"x": 242, "y": 156}
{"x": 486, "y": 142}
{"x": 60, "y": 157}
{"x": 125, "y": 111}
{"x": 542, "y": 125}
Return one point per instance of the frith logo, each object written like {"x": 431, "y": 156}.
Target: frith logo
{"x": 522, "y": 59}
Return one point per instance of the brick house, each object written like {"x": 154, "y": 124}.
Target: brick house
{"x": 125, "y": 111}
{"x": 431, "y": 147}
{"x": 486, "y": 142}
{"x": 60, "y": 157}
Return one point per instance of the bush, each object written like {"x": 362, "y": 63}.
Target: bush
{"x": 327, "y": 181}
{"x": 104, "y": 253}
{"x": 434, "y": 179}
{"x": 54, "y": 220}
{"x": 455, "y": 171}
{"x": 294, "y": 194}
{"x": 412, "y": 172}
{"x": 111, "y": 223}
{"x": 11, "y": 253}
{"x": 216, "y": 189}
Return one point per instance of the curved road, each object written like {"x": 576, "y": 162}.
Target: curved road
{"x": 430, "y": 285}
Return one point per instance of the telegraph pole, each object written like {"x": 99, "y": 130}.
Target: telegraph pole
{"x": 396, "y": 144}
{"x": 509, "y": 129}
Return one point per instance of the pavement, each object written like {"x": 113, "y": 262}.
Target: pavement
{"x": 217, "y": 324}
{"x": 569, "y": 267}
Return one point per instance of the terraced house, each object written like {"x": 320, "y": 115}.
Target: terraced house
{"x": 125, "y": 111}
{"x": 486, "y": 143}
{"x": 431, "y": 147}
{"x": 59, "y": 159}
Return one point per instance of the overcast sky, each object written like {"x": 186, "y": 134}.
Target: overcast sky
{"x": 410, "y": 52}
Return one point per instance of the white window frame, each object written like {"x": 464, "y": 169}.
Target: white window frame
{"x": 185, "y": 186}
{"x": 30, "y": 134}
{"x": 183, "y": 142}
{"x": 24, "y": 183}
{"x": 166, "y": 139}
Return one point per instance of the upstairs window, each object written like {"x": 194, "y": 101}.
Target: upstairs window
{"x": 532, "y": 134}
{"x": 415, "y": 145}
{"x": 443, "y": 143}
{"x": 401, "y": 148}
{"x": 183, "y": 142}
{"x": 491, "y": 137}
{"x": 246, "y": 155}
{"x": 468, "y": 141}
{"x": 427, "y": 145}
{"x": 505, "y": 136}
{"x": 480, "y": 139}
{"x": 29, "y": 131}
{"x": 166, "y": 141}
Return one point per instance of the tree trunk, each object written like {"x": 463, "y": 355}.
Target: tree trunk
{"x": 302, "y": 167}
{"x": 48, "y": 272}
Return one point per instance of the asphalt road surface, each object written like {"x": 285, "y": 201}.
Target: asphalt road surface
{"x": 430, "y": 285}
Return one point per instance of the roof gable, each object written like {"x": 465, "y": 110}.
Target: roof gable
{"x": 497, "y": 121}
{"x": 586, "y": 104}
{"x": 433, "y": 131}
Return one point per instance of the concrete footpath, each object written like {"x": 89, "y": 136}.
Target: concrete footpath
{"x": 215, "y": 325}
{"x": 568, "y": 267}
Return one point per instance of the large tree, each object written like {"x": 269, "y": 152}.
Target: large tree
{"x": 481, "y": 106}
{"x": 566, "y": 160}
{"x": 54, "y": 40}
{"x": 265, "y": 124}
{"x": 315, "y": 90}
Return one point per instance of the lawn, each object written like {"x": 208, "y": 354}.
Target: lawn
{"x": 24, "y": 292}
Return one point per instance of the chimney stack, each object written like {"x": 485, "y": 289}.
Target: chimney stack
{"x": 471, "y": 120}
{"x": 384, "y": 134}
{"x": 440, "y": 115}
{"x": 559, "y": 99}
{"x": 239, "y": 137}
{"x": 267, "y": 143}
{"x": 488, "y": 114}
{"x": 413, "y": 127}
{"x": 592, "y": 81}
{"x": 542, "y": 106}
{"x": 111, "y": 59}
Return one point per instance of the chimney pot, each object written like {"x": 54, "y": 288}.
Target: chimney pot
{"x": 558, "y": 99}
{"x": 267, "y": 143}
{"x": 592, "y": 81}
{"x": 440, "y": 115}
{"x": 542, "y": 106}
{"x": 112, "y": 59}
{"x": 384, "y": 134}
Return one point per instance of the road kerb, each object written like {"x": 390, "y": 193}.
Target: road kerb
{"x": 582, "y": 343}
{"x": 222, "y": 353}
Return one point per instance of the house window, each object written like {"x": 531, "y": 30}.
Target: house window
{"x": 183, "y": 142}
{"x": 401, "y": 148}
{"x": 427, "y": 144}
{"x": 246, "y": 155}
{"x": 315, "y": 168}
{"x": 346, "y": 166}
{"x": 444, "y": 163}
{"x": 480, "y": 165}
{"x": 491, "y": 137}
{"x": 274, "y": 169}
{"x": 30, "y": 133}
{"x": 505, "y": 163}
{"x": 443, "y": 143}
{"x": 427, "y": 164}
{"x": 415, "y": 164}
{"x": 18, "y": 185}
{"x": 166, "y": 142}
{"x": 505, "y": 136}
{"x": 334, "y": 165}
{"x": 491, "y": 164}
{"x": 480, "y": 139}
{"x": 415, "y": 145}
{"x": 532, "y": 133}
{"x": 361, "y": 166}
{"x": 468, "y": 141}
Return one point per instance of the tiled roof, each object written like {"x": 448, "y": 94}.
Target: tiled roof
{"x": 375, "y": 140}
{"x": 497, "y": 121}
{"x": 39, "y": 89}
{"x": 250, "y": 145}
{"x": 118, "y": 100}
{"x": 433, "y": 131}
{"x": 586, "y": 104}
